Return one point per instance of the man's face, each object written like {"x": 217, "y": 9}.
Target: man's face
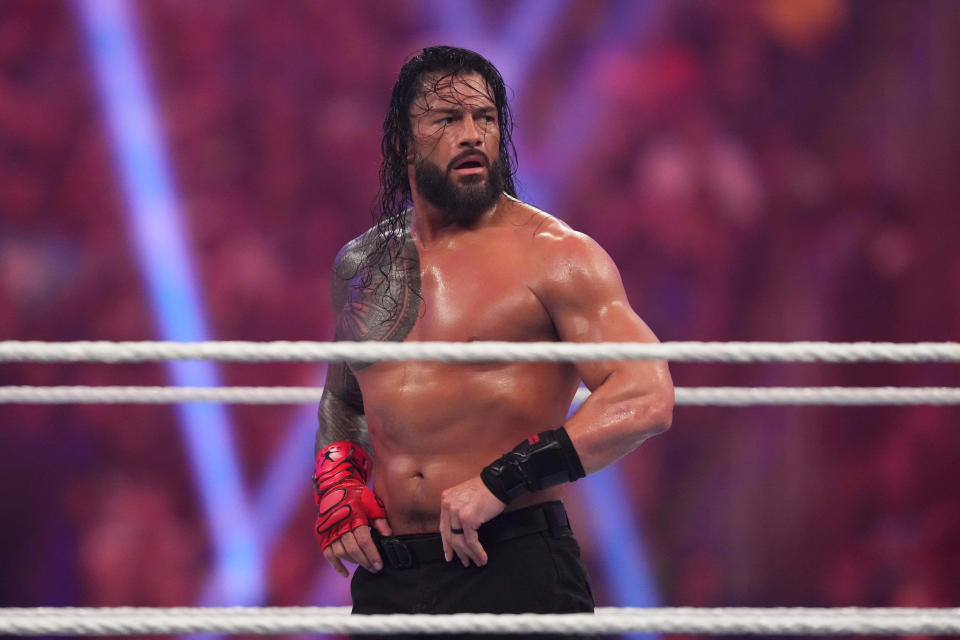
{"x": 455, "y": 146}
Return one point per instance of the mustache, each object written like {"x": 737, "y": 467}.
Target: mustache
{"x": 468, "y": 154}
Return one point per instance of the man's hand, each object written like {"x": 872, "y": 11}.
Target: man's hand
{"x": 357, "y": 546}
{"x": 356, "y": 508}
{"x": 346, "y": 506}
{"x": 463, "y": 508}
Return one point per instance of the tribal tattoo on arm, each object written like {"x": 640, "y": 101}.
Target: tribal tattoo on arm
{"x": 375, "y": 293}
{"x": 341, "y": 410}
{"x": 375, "y": 299}
{"x": 377, "y": 289}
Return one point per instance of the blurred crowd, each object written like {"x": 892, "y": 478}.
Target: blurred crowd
{"x": 779, "y": 171}
{"x": 763, "y": 170}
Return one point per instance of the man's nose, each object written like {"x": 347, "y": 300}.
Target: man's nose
{"x": 470, "y": 135}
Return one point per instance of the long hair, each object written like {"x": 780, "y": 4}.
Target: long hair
{"x": 394, "y": 197}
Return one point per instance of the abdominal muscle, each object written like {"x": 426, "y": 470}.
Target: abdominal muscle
{"x": 433, "y": 426}
{"x": 411, "y": 486}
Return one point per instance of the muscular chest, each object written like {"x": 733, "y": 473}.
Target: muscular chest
{"x": 472, "y": 295}
{"x": 463, "y": 292}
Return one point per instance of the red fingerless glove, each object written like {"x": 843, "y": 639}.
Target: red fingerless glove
{"x": 344, "y": 502}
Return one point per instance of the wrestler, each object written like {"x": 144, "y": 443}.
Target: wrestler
{"x": 453, "y": 523}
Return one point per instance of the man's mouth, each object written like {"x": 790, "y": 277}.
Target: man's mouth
{"x": 471, "y": 164}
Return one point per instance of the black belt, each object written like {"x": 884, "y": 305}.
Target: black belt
{"x": 404, "y": 552}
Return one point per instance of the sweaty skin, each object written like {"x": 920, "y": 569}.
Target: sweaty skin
{"x": 511, "y": 273}
{"x": 433, "y": 425}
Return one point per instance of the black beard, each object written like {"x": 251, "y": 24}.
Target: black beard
{"x": 463, "y": 203}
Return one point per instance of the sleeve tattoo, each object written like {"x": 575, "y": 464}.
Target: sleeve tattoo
{"x": 341, "y": 410}
{"x": 385, "y": 308}
{"x": 341, "y": 405}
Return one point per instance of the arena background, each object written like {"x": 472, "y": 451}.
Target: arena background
{"x": 769, "y": 170}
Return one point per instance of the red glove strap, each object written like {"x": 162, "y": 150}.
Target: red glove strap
{"x": 344, "y": 502}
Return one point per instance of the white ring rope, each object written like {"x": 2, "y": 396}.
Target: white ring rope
{"x": 17, "y": 351}
{"x": 276, "y": 620}
{"x": 699, "y": 396}
{"x": 682, "y": 620}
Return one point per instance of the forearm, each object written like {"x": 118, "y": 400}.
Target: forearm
{"x": 337, "y": 422}
{"x": 340, "y": 414}
{"x": 344, "y": 501}
{"x": 615, "y": 420}
{"x": 343, "y": 467}
{"x": 620, "y": 414}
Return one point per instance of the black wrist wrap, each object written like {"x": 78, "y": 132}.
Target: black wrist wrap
{"x": 545, "y": 460}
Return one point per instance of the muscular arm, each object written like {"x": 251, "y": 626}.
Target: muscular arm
{"x": 387, "y": 310}
{"x": 345, "y": 505}
{"x": 580, "y": 287}
{"x": 631, "y": 400}
{"x": 341, "y": 405}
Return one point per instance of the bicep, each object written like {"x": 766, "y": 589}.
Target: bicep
{"x": 587, "y": 303}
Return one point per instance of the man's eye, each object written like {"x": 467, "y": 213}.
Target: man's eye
{"x": 445, "y": 121}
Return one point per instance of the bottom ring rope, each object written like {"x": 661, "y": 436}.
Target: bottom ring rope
{"x": 676, "y": 620}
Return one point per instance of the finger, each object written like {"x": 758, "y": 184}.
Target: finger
{"x": 339, "y": 551}
{"x": 335, "y": 562}
{"x": 445, "y": 534}
{"x": 463, "y": 549}
{"x": 383, "y": 526}
{"x": 472, "y": 542}
{"x": 369, "y": 549}
{"x": 458, "y": 543}
{"x": 350, "y": 544}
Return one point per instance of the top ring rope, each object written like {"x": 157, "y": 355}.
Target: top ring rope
{"x": 17, "y": 351}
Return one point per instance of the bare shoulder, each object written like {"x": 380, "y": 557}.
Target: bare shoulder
{"x": 375, "y": 285}
{"x": 560, "y": 255}
{"x": 579, "y": 286}
{"x": 347, "y": 265}
{"x": 354, "y": 252}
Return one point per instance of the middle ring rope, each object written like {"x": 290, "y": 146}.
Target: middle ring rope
{"x": 700, "y": 396}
